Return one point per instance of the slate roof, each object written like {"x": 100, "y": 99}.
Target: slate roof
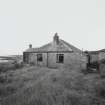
{"x": 50, "y": 47}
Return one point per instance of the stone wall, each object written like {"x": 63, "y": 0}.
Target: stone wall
{"x": 101, "y": 55}
{"x": 33, "y": 59}
{"x": 94, "y": 57}
{"x": 49, "y": 59}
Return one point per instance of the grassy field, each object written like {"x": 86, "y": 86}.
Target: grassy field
{"x": 31, "y": 85}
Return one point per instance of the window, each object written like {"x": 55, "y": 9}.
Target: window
{"x": 39, "y": 57}
{"x": 60, "y": 58}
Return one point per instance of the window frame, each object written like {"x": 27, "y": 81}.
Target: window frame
{"x": 59, "y": 58}
{"x": 39, "y": 57}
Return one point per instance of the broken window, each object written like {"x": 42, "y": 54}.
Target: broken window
{"x": 39, "y": 57}
{"x": 60, "y": 58}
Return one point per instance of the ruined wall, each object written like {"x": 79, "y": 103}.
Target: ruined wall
{"x": 94, "y": 57}
{"x": 101, "y": 55}
{"x": 50, "y": 60}
{"x": 71, "y": 59}
{"x": 75, "y": 59}
{"x": 33, "y": 59}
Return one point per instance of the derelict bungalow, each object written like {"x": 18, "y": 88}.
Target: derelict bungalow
{"x": 54, "y": 54}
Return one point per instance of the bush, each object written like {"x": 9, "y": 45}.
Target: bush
{"x": 18, "y": 65}
{"x": 102, "y": 70}
{"x": 10, "y": 66}
{"x": 99, "y": 89}
{"x": 3, "y": 78}
{"x": 7, "y": 90}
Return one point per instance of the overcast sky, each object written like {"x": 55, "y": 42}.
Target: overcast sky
{"x": 79, "y": 22}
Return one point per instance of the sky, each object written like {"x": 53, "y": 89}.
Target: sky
{"x": 24, "y": 22}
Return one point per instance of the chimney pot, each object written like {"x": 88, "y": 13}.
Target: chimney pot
{"x": 56, "y": 38}
{"x": 30, "y": 45}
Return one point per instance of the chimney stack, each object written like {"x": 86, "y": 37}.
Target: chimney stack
{"x": 56, "y": 39}
{"x": 30, "y": 45}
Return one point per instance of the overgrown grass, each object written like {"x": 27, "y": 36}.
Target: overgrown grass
{"x": 4, "y": 67}
{"x": 44, "y": 86}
